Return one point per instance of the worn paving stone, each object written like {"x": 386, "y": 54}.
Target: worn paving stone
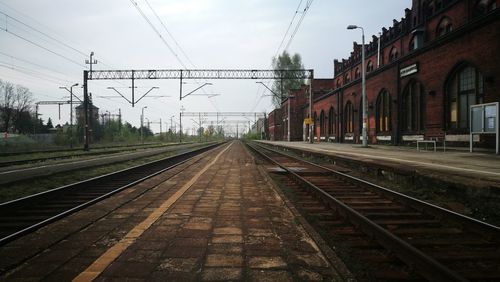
{"x": 218, "y": 274}
{"x": 227, "y": 239}
{"x": 230, "y": 225}
{"x": 227, "y": 230}
{"x": 266, "y": 262}
{"x": 214, "y": 260}
{"x": 269, "y": 275}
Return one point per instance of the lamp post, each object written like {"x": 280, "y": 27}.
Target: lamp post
{"x": 70, "y": 112}
{"x": 363, "y": 83}
{"x": 142, "y": 121}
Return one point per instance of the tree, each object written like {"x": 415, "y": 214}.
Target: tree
{"x": 49, "y": 124}
{"x": 15, "y": 102}
{"x": 283, "y": 86}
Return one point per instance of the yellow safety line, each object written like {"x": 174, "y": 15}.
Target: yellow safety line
{"x": 100, "y": 264}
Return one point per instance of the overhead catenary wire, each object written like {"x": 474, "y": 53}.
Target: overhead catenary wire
{"x": 43, "y": 33}
{"x": 44, "y": 48}
{"x": 33, "y": 73}
{"x": 290, "y": 40}
{"x": 134, "y": 3}
{"x": 306, "y": 9}
{"x": 288, "y": 29}
{"x": 32, "y": 63}
{"x": 214, "y": 101}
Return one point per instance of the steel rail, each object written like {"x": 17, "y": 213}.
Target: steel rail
{"x": 145, "y": 171}
{"x": 425, "y": 265}
{"x": 492, "y": 232}
{"x": 90, "y": 154}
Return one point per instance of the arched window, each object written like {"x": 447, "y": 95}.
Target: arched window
{"x": 393, "y": 54}
{"x": 369, "y": 66}
{"x": 315, "y": 120}
{"x": 331, "y": 122}
{"x": 439, "y": 5}
{"x": 413, "y": 107}
{"x": 349, "y": 118}
{"x": 464, "y": 88}
{"x": 347, "y": 78}
{"x": 383, "y": 112}
{"x": 322, "y": 123}
{"x": 484, "y": 6}
{"x": 430, "y": 8}
{"x": 357, "y": 73}
{"x": 444, "y": 27}
{"x": 339, "y": 83}
{"x": 412, "y": 46}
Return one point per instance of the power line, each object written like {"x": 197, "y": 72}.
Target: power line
{"x": 45, "y": 34}
{"x": 157, "y": 32}
{"x": 306, "y": 9}
{"x": 44, "y": 48}
{"x": 31, "y": 63}
{"x": 214, "y": 102}
{"x": 288, "y": 29}
{"x": 169, "y": 34}
{"x": 33, "y": 73}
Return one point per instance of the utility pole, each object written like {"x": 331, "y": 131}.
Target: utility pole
{"x": 142, "y": 121}
{"x": 120, "y": 119}
{"x": 71, "y": 112}
{"x": 86, "y": 101}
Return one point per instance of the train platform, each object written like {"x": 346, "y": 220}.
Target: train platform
{"x": 455, "y": 165}
{"x": 217, "y": 217}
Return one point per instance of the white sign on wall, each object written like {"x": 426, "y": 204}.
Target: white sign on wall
{"x": 484, "y": 120}
{"x": 406, "y": 71}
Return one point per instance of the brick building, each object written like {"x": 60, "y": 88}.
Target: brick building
{"x": 275, "y": 125}
{"x": 433, "y": 64}
{"x": 298, "y": 102}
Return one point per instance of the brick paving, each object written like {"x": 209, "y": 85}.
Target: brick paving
{"x": 229, "y": 225}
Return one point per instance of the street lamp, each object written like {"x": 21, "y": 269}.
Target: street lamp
{"x": 71, "y": 112}
{"x": 363, "y": 83}
{"x": 142, "y": 121}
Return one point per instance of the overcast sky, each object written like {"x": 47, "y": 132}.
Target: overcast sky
{"x": 212, "y": 33}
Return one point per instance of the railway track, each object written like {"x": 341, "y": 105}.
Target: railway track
{"x": 25, "y": 215}
{"x": 66, "y": 154}
{"x": 389, "y": 236}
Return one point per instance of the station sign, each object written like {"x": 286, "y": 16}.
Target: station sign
{"x": 308, "y": 121}
{"x": 406, "y": 71}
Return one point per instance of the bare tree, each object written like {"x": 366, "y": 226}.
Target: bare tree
{"x": 14, "y": 101}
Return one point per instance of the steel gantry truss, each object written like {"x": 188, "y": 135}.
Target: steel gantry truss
{"x": 200, "y": 74}
{"x": 190, "y": 74}
{"x": 218, "y": 115}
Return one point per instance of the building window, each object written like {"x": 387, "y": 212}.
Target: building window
{"x": 349, "y": 118}
{"x": 322, "y": 123}
{"x": 430, "y": 8}
{"x": 369, "y": 66}
{"x": 383, "y": 112}
{"x": 331, "y": 122}
{"x": 357, "y": 73}
{"x": 413, "y": 107}
{"x": 339, "y": 83}
{"x": 315, "y": 120}
{"x": 484, "y": 6}
{"x": 347, "y": 78}
{"x": 445, "y": 26}
{"x": 439, "y": 5}
{"x": 393, "y": 54}
{"x": 465, "y": 88}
